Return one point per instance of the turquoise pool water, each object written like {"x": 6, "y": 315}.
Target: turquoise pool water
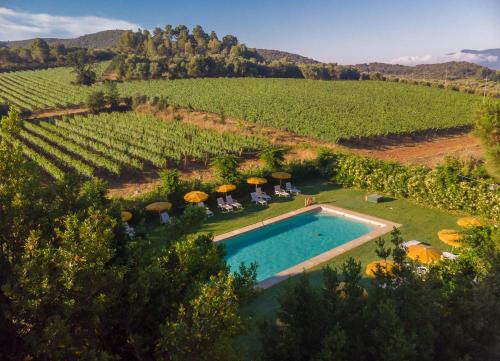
{"x": 279, "y": 246}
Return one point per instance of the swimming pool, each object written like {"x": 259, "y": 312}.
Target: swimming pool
{"x": 298, "y": 240}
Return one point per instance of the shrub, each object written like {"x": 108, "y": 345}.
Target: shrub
{"x": 96, "y": 101}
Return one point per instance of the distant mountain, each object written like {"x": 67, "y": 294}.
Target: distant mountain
{"x": 489, "y": 58}
{"x": 451, "y": 70}
{"x": 99, "y": 40}
{"x": 271, "y": 55}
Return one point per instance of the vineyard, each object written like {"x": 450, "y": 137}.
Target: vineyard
{"x": 328, "y": 110}
{"x": 41, "y": 89}
{"x": 112, "y": 142}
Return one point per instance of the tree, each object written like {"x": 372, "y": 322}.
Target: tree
{"x": 80, "y": 62}
{"x": 96, "y": 101}
{"x": 487, "y": 128}
{"x": 272, "y": 157}
{"x": 227, "y": 167}
{"x": 112, "y": 97}
{"x": 40, "y": 50}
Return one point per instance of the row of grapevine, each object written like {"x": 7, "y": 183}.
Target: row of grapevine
{"x": 53, "y": 151}
{"x": 114, "y": 141}
{"x": 84, "y": 153}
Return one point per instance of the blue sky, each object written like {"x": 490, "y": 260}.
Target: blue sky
{"x": 337, "y": 31}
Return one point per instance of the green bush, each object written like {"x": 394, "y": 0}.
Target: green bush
{"x": 441, "y": 187}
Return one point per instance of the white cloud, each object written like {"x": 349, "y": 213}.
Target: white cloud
{"x": 458, "y": 56}
{"x": 19, "y": 25}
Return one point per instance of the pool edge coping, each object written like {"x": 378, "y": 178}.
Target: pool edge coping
{"x": 383, "y": 226}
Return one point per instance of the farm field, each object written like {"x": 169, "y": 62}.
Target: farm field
{"x": 329, "y": 111}
{"x": 42, "y": 89}
{"x": 112, "y": 142}
{"x": 326, "y": 110}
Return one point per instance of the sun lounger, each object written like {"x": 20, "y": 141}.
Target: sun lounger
{"x": 164, "y": 218}
{"x": 257, "y": 200}
{"x": 290, "y": 188}
{"x": 448, "y": 255}
{"x": 232, "y": 202}
{"x": 410, "y": 243}
{"x": 280, "y": 192}
{"x": 223, "y": 206}
{"x": 262, "y": 194}
{"x": 209, "y": 212}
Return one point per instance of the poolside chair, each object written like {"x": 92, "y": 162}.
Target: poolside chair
{"x": 209, "y": 212}
{"x": 257, "y": 200}
{"x": 164, "y": 218}
{"x": 449, "y": 255}
{"x": 262, "y": 194}
{"x": 410, "y": 243}
{"x": 280, "y": 192}
{"x": 292, "y": 189}
{"x": 223, "y": 206}
{"x": 130, "y": 231}
{"x": 232, "y": 202}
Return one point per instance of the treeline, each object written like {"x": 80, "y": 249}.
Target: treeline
{"x": 41, "y": 55}
{"x": 180, "y": 53}
{"x": 452, "y": 70}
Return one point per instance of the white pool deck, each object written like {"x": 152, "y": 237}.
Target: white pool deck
{"x": 382, "y": 227}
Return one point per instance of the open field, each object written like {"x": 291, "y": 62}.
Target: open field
{"x": 111, "y": 142}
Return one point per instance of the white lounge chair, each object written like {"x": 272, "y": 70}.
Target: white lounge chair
{"x": 410, "y": 243}
{"x": 280, "y": 192}
{"x": 232, "y": 202}
{"x": 223, "y": 206}
{"x": 257, "y": 200}
{"x": 164, "y": 218}
{"x": 448, "y": 255}
{"x": 209, "y": 212}
{"x": 292, "y": 189}
{"x": 262, "y": 194}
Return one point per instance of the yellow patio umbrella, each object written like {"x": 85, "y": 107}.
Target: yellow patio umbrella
{"x": 159, "y": 206}
{"x": 226, "y": 188}
{"x": 126, "y": 216}
{"x": 423, "y": 253}
{"x": 341, "y": 289}
{"x": 281, "y": 176}
{"x": 469, "y": 222}
{"x": 385, "y": 267}
{"x": 450, "y": 237}
{"x": 195, "y": 197}
{"x": 257, "y": 181}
